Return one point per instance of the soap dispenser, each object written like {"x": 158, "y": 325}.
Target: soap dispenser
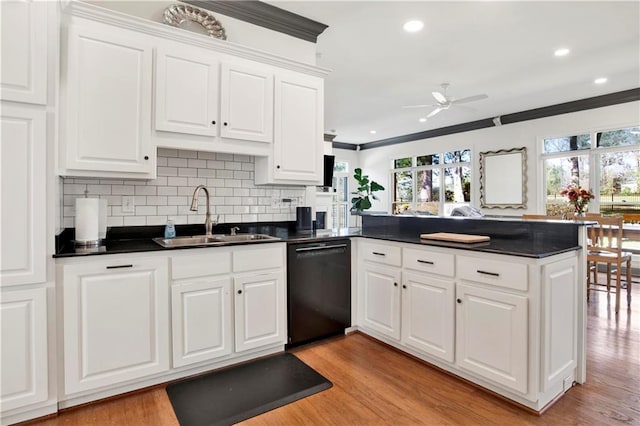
{"x": 169, "y": 230}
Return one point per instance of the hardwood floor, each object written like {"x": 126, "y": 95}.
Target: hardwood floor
{"x": 374, "y": 385}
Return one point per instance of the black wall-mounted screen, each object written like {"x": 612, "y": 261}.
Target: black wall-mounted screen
{"x": 329, "y": 162}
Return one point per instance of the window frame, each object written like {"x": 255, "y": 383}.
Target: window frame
{"x": 441, "y": 166}
{"x": 593, "y": 154}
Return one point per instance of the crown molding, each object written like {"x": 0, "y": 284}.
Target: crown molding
{"x": 267, "y": 16}
{"x": 158, "y": 29}
{"x": 609, "y": 99}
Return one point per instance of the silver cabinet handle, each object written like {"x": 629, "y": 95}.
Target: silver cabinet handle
{"x": 428, "y": 262}
{"x": 493, "y": 274}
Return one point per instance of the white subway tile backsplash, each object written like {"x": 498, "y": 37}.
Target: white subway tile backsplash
{"x": 122, "y": 189}
{"x": 187, "y": 154}
{"x": 134, "y": 221}
{"x": 224, "y": 157}
{"x": 177, "y": 181}
{"x": 167, "y": 152}
{"x": 185, "y": 171}
{"x": 228, "y": 177}
{"x": 167, "y": 171}
{"x": 177, "y": 162}
{"x": 206, "y": 155}
{"x": 167, "y": 190}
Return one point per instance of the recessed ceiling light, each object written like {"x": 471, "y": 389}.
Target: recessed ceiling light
{"x": 600, "y": 80}
{"x": 422, "y": 120}
{"x": 563, "y": 51}
{"x": 373, "y": 132}
{"x": 413, "y": 26}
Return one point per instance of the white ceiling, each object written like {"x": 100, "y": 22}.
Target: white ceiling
{"x": 503, "y": 49}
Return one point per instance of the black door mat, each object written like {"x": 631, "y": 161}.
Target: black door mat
{"x": 238, "y": 393}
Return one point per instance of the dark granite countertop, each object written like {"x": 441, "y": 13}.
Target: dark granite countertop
{"x": 140, "y": 238}
{"x": 534, "y": 239}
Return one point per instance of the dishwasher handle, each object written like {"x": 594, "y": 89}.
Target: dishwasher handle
{"x": 314, "y": 248}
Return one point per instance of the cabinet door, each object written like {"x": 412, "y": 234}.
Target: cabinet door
{"x": 560, "y": 303}
{"x": 24, "y": 51}
{"x": 246, "y": 103}
{"x": 201, "y": 320}
{"x": 259, "y": 310}
{"x": 116, "y": 322}
{"x": 23, "y": 183}
{"x": 381, "y": 298}
{"x": 299, "y": 126}
{"x": 186, "y": 88}
{"x": 24, "y": 378}
{"x": 108, "y": 101}
{"x": 428, "y": 319}
{"x": 492, "y": 335}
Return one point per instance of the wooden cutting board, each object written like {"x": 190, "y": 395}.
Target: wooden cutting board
{"x": 456, "y": 238}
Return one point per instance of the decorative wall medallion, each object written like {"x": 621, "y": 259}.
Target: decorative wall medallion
{"x": 190, "y": 17}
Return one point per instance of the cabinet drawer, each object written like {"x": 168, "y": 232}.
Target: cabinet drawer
{"x": 211, "y": 262}
{"x": 266, "y": 256}
{"x": 381, "y": 253}
{"x": 428, "y": 261}
{"x": 495, "y": 272}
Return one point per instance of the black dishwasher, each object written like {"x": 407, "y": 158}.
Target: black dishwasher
{"x": 318, "y": 290}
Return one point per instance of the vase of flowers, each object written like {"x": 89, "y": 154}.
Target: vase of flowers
{"x": 578, "y": 197}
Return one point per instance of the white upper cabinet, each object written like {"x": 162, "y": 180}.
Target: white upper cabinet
{"x": 24, "y": 51}
{"x": 247, "y": 102}
{"x": 106, "y": 125}
{"x": 23, "y": 206}
{"x": 187, "y": 90}
{"x": 298, "y": 134}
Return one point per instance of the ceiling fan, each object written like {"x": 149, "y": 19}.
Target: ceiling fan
{"x": 446, "y": 102}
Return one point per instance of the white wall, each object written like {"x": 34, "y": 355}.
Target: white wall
{"x": 237, "y": 31}
{"x": 376, "y": 162}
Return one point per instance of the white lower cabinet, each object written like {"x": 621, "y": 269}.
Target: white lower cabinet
{"x": 24, "y": 378}
{"x": 116, "y": 321}
{"x": 491, "y": 335}
{"x": 428, "y": 314}
{"x": 507, "y": 323}
{"x": 259, "y": 310}
{"x": 201, "y": 319}
{"x": 381, "y": 299}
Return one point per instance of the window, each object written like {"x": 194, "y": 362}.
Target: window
{"x": 340, "y": 206}
{"x": 609, "y": 167}
{"x": 431, "y": 183}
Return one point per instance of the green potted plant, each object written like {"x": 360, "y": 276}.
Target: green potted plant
{"x": 366, "y": 189}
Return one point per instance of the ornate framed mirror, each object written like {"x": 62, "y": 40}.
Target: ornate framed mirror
{"x": 503, "y": 178}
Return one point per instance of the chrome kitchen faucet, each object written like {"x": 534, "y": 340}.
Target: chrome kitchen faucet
{"x": 208, "y": 224}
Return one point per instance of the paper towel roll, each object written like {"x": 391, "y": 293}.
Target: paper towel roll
{"x": 87, "y": 219}
{"x": 102, "y": 219}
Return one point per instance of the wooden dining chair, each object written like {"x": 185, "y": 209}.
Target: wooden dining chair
{"x": 604, "y": 245}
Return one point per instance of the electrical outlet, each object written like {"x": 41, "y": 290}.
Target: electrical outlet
{"x": 128, "y": 204}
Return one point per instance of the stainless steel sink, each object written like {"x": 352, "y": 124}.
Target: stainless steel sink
{"x": 216, "y": 239}
{"x": 198, "y": 240}
{"x": 245, "y": 237}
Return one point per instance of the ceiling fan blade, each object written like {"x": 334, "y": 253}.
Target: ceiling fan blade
{"x": 434, "y": 112}
{"x": 418, "y": 106}
{"x": 469, "y": 99}
{"x": 439, "y": 97}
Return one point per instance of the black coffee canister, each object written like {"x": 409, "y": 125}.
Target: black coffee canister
{"x": 303, "y": 219}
